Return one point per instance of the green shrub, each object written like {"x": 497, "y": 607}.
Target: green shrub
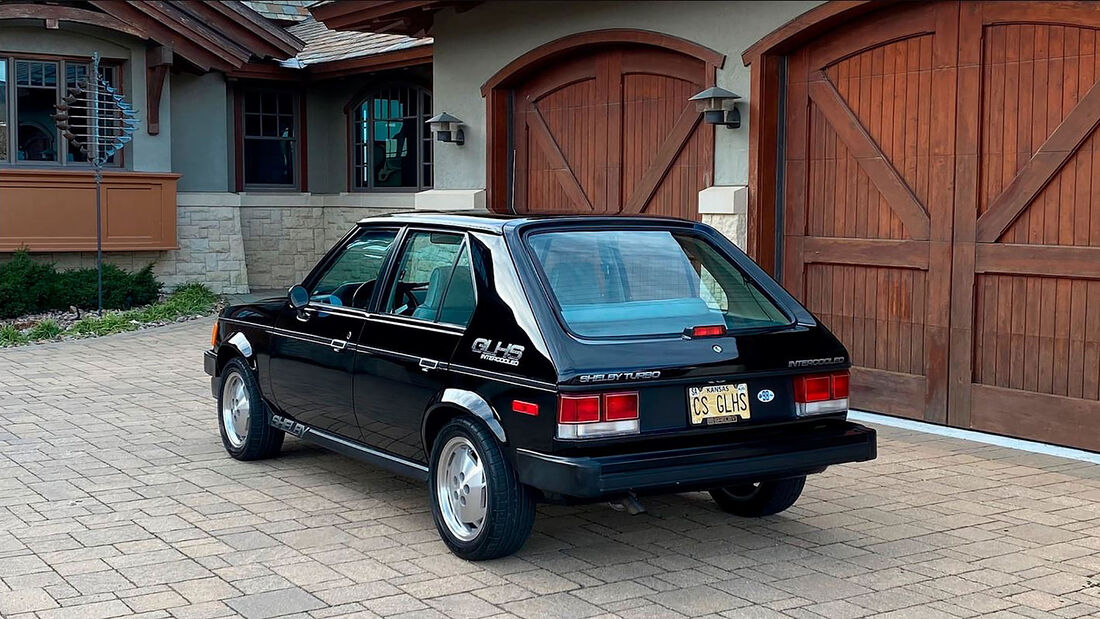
{"x": 10, "y": 336}
{"x": 46, "y": 329}
{"x": 28, "y": 287}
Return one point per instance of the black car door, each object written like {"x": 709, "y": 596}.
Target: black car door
{"x": 408, "y": 341}
{"x": 312, "y": 350}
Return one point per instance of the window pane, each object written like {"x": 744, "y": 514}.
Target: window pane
{"x": 422, "y": 278}
{"x": 4, "y": 110}
{"x": 395, "y": 153}
{"x": 268, "y": 162}
{"x": 458, "y": 303}
{"x": 36, "y": 133}
{"x": 351, "y": 279}
{"x": 633, "y": 282}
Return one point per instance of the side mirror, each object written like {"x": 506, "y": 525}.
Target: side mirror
{"x": 299, "y": 297}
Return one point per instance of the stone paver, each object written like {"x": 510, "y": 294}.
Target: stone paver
{"x": 116, "y": 498}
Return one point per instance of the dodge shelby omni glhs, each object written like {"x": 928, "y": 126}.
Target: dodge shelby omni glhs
{"x": 511, "y": 360}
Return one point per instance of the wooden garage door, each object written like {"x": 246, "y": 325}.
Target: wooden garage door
{"x": 941, "y": 215}
{"x": 612, "y": 132}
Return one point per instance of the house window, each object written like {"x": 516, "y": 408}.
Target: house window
{"x": 29, "y": 90}
{"x": 270, "y": 138}
{"x": 391, "y": 146}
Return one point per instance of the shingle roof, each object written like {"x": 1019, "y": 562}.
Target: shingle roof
{"x": 324, "y": 45}
{"x": 282, "y": 10}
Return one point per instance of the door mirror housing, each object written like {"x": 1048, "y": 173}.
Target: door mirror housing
{"x": 298, "y": 296}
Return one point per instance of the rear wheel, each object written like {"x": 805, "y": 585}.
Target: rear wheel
{"x": 480, "y": 508}
{"x": 759, "y": 499}
{"x": 242, "y": 415}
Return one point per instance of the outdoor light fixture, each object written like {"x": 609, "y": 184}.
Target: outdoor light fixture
{"x": 446, "y": 128}
{"x": 718, "y": 107}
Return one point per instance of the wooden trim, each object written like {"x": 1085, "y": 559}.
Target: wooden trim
{"x": 54, "y": 210}
{"x": 1041, "y": 168}
{"x": 870, "y": 157}
{"x": 70, "y": 14}
{"x": 877, "y": 252}
{"x": 544, "y": 52}
{"x": 666, "y": 155}
{"x": 238, "y": 140}
{"x": 806, "y": 26}
{"x": 1039, "y": 260}
{"x": 1015, "y": 412}
{"x": 422, "y": 54}
{"x": 355, "y": 15}
{"x": 569, "y": 183}
{"x": 303, "y": 145}
{"x": 891, "y": 393}
{"x": 157, "y": 62}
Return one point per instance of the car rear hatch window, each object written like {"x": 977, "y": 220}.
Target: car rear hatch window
{"x": 642, "y": 283}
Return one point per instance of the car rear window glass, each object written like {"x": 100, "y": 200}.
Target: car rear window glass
{"x": 622, "y": 283}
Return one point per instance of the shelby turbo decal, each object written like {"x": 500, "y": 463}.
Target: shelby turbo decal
{"x": 808, "y": 363}
{"x": 613, "y": 376}
{"x": 498, "y": 352}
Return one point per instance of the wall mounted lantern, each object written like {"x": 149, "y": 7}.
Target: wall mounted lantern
{"x": 718, "y": 106}
{"x": 446, "y": 128}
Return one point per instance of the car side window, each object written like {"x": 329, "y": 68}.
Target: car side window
{"x": 351, "y": 278}
{"x": 425, "y": 268}
{"x": 459, "y": 300}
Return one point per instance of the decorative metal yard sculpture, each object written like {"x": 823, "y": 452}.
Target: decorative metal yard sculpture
{"x": 96, "y": 119}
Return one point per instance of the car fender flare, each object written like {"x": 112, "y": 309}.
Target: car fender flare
{"x": 469, "y": 402}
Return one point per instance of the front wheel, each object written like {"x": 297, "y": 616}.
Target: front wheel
{"x": 480, "y": 508}
{"x": 760, "y": 499}
{"x": 242, "y": 415}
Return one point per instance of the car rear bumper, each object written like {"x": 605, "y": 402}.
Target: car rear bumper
{"x": 698, "y": 468}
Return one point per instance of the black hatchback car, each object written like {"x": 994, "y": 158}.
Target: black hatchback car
{"x": 507, "y": 361}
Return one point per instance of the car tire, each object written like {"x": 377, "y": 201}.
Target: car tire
{"x": 761, "y": 499}
{"x": 243, "y": 415}
{"x": 466, "y": 447}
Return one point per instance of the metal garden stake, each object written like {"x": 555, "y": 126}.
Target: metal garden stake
{"x": 98, "y": 122}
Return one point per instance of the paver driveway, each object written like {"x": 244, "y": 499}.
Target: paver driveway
{"x": 116, "y": 498}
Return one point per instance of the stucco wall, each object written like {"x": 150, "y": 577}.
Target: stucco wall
{"x": 146, "y": 153}
{"x": 200, "y": 146}
{"x": 471, "y": 46}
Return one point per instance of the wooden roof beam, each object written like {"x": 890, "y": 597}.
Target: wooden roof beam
{"x": 70, "y": 14}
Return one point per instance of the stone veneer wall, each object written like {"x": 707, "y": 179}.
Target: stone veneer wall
{"x": 285, "y": 236}
{"x": 236, "y": 243}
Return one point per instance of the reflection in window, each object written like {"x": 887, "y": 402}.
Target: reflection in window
{"x": 270, "y": 138}
{"x": 29, "y": 90}
{"x": 391, "y": 145}
{"x": 35, "y": 95}
{"x": 5, "y": 135}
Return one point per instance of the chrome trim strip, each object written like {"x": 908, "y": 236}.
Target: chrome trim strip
{"x": 439, "y": 327}
{"x": 504, "y": 378}
{"x": 338, "y": 310}
{"x": 365, "y": 449}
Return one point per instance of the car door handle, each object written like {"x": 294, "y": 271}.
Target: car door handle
{"x": 429, "y": 364}
{"x": 338, "y": 345}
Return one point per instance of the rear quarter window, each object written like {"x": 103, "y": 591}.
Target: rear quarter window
{"x": 636, "y": 283}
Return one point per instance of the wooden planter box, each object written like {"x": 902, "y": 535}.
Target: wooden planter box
{"x": 54, "y": 210}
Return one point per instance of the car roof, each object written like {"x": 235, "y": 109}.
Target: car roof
{"x": 496, "y": 222}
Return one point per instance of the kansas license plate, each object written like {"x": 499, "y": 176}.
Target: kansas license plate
{"x": 711, "y": 404}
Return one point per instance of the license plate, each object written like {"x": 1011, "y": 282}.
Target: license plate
{"x": 711, "y": 404}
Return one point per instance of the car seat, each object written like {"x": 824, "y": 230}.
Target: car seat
{"x": 437, "y": 283}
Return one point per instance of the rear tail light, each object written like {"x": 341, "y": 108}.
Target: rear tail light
{"x": 706, "y": 331}
{"x": 579, "y": 409}
{"x": 816, "y": 394}
{"x": 594, "y": 416}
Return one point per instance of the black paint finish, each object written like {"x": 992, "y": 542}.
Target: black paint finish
{"x": 397, "y": 379}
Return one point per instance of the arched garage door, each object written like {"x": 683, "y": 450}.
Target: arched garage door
{"x": 941, "y": 212}
{"x": 604, "y": 128}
